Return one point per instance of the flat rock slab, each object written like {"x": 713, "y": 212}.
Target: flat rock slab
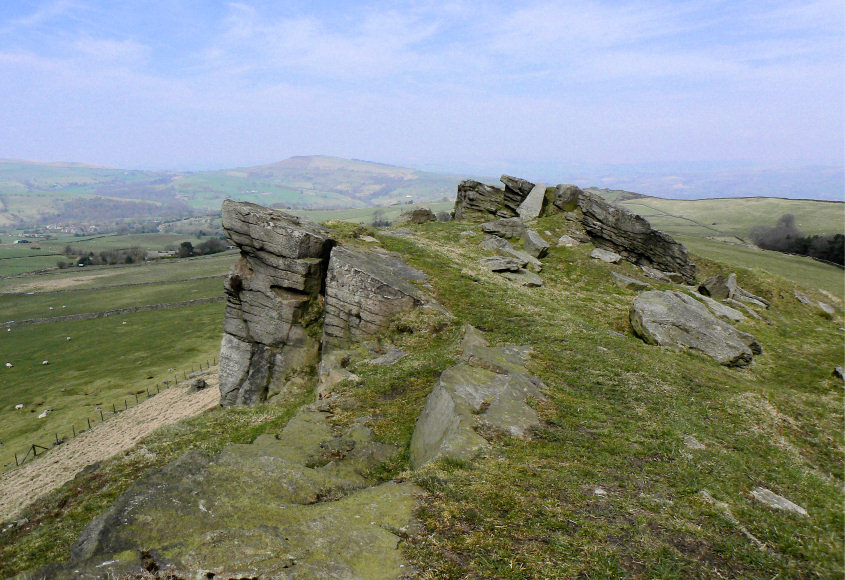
{"x": 390, "y": 357}
{"x": 257, "y": 510}
{"x": 502, "y": 264}
{"x": 605, "y": 256}
{"x": 676, "y": 320}
{"x": 773, "y": 500}
{"x": 490, "y": 388}
{"x": 505, "y": 228}
{"x": 722, "y": 310}
{"x": 524, "y": 278}
{"x": 627, "y": 282}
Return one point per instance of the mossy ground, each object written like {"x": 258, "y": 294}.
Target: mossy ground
{"x": 615, "y": 418}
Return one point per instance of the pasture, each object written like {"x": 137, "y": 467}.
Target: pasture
{"x": 108, "y": 359}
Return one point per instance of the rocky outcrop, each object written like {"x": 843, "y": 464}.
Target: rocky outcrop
{"x": 566, "y": 197}
{"x": 676, "y": 320}
{"x": 533, "y": 204}
{"x": 364, "y": 290}
{"x": 612, "y": 227}
{"x": 489, "y": 389}
{"x": 273, "y": 300}
{"x": 478, "y": 201}
{"x": 293, "y": 505}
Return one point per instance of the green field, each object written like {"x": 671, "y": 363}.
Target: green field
{"x": 105, "y": 360}
{"x": 737, "y": 216}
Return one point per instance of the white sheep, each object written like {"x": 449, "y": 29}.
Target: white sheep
{"x": 51, "y": 308}
{"x": 124, "y": 322}
{"x": 67, "y": 338}
{"x": 63, "y": 306}
{"x": 9, "y": 329}
{"x": 45, "y": 362}
{"x": 44, "y": 414}
{"x": 19, "y": 406}
{"x": 9, "y": 365}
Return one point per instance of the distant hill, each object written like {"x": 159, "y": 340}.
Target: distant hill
{"x": 33, "y": 192}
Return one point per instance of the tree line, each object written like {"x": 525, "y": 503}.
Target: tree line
{"x": 786, "y": 237}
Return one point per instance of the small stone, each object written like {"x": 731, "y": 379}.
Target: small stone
{"x": 390, "y": 357}
{"x": 467, "y": 234}
{"x": 826, "y": 308}
{"x": 605, "y": 256}
{"x": 773, "y": 500}
{"x": 599, "y": 492}
{"x": 368, "y": 239}
{"x": 655, "y": 274}
{"x": 839, "y": 373}
{"x": 802, "y": 298}
{"x": 628, "y": 282}
{"x": 524, "y": 277}
{"x": 692, "y": 443}
{"x": 567, "y": 241}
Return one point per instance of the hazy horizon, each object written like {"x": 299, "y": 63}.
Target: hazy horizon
{"x": 187, "y": 85}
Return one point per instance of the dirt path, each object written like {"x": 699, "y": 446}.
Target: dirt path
{"x": 24, "y": 485}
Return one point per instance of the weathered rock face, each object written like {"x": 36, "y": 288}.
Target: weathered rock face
{"x": 256, "y": 510}
{"x": 273, "y": 299}
{"x": 676, "y": 320}
{"x": 490, "y": 388}
{"x": 477, "y": 201}
{"x": 363, "y": 291}
{"x": 535, "y": 245}
{"x": 532, "y": 206}
{"x": 615, "y": 228}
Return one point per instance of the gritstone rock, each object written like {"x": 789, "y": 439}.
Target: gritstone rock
{"x": 839, "y": 373}
{"x": 826, "y": 308}
{"x": 676, "y": 320}
{"x": 723, "y": 288}
{"x": 272, "y": 299}
{"x": 506, "y": 227}
{"x": 257, "y": 510}
{"x": 501, "y": 264}
{"x": 605, "y": 256}
{"x": 628, "y": 282}
{"x": 524, "y": 277}
{"x": 655, "y": 274}
{"x": 721, "y": 310}
{"x": 418, "y": 216}
{"x": 364, "y": 290}
{"x": 567, "y": 241}
{"x": 504, "y": 247}
{"x": 566, "y": 197}
{"x": 615, "y": 228}
{"x": 773, "y": 500}
{"x": 535, "y": 245}
{"x": 532, "y": 205}
{"x": 489, "y": 388}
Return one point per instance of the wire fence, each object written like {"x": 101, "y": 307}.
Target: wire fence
{"x": 103, "y": 414}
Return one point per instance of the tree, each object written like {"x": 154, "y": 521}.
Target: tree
{"x": 185, "y": 249}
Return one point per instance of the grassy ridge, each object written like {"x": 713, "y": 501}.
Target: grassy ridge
{"x": 615, "y": 418}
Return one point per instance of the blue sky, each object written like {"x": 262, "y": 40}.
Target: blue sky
{"x": 453, "y": 84}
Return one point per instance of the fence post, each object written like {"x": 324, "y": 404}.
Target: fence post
{"x": 34, "y": 451}
{"x": 16, "y": 460}
{"x": 157, "y": 389}
{"x": 57, "y": 438}
{"x": 113, "y": 409}
{"x": 102, "y": 418}
{"x": 124, "y": 405}
{"x": 74, "y": 430}
{"x": 136, "y": 398}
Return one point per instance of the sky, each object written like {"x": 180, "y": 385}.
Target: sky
{"x": 190, "y": 84}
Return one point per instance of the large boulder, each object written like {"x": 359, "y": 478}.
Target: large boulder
{"x": 489, "y": 389}
{"x": 364, "y": 290}
{"x": 532, "y": 206}
{"x": 535, "y": 245}
{"x": 272, "y": 299}
{"x": 615, "y": 228}
{"x": 418, "y": 216}
{"x": 676, "y": 320}
{"x": 566, "y": 197}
